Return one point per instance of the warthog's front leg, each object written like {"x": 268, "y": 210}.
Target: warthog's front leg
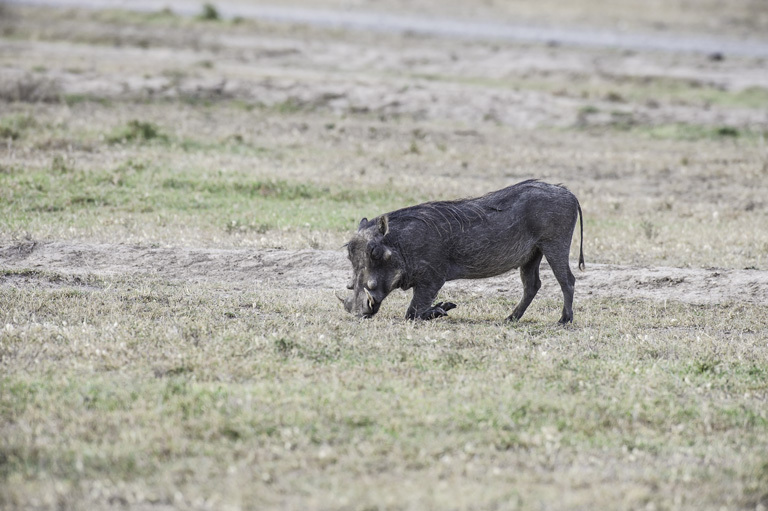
{"x": 438, "y": 310}
{"x": 421, "y": 305}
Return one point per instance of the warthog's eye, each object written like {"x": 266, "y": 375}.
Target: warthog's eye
{"x": 377, "y": 252}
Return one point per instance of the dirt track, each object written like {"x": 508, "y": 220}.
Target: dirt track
{"x": 328, "y": 270}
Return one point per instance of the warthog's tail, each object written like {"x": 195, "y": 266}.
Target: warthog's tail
{"x": 581, "y": 238}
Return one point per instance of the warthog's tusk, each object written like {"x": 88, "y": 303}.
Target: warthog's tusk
{"x": 370, "y": 298}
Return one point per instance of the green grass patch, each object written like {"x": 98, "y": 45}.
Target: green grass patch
{"x": 138, "y": 132}
{"x": 163, "y": 17}
{"x": 16, "y": 126}
{"x": 76, "y": 99}
{"x": 593, "y": 120}
{"x": 681, "y": 131}
{"x": 64, "y": 195}
{"x": 620, "y": 89}
{"x": 209, "y": 13}
{"x": 141, "y": 195}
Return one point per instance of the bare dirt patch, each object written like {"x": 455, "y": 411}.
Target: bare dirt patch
{"x": 327, "y": 270}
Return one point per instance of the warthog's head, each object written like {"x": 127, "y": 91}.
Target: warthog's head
{"x": 377, "y": 268}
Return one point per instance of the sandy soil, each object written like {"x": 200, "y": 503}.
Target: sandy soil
{"x": 73, "y": 264}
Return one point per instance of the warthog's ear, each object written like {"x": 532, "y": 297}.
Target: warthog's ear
{"x": 363, "y": 224}
{"x": 383, "y": 225}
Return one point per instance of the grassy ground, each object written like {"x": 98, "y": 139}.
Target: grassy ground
{"x": 130, "y": 388}
{"x": 194, "y": 396}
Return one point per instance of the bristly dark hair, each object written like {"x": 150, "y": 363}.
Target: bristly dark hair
{"x": 460, "y": 212}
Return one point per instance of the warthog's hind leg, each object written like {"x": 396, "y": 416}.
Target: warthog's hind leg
{"x": 529, "y": 274}
{"x": 564, "y": 276}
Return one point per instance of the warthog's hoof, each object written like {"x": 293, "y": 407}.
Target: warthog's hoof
{"x": 438, "y": 310}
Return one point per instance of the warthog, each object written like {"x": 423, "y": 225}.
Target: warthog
{"x": 424, "y": 246}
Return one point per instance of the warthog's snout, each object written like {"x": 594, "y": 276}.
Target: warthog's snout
{"x": 346, "y": 301}
{"x": 365, "y": 307}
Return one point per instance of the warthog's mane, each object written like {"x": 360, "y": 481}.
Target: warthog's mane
{"x": 461, "y": 213}
{"x": 442, "y": 215}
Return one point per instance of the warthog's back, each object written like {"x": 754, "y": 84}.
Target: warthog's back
{"x": 492, "y": 234}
